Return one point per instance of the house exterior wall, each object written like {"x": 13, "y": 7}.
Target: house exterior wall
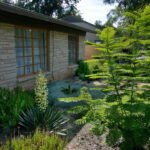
{"x": 58, "y": 67}
{"x": 91, "y": 37}
{"x": 59, "y": 55}
{"x": 90, "y": 52}
{"x": 8, "y": 66}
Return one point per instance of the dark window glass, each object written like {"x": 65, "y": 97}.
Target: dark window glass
{"x": 73, "y": 49}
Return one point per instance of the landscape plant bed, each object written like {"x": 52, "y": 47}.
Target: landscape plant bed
{"x": 55, "y": 91}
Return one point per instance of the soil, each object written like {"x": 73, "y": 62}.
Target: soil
{"x": 85, "y": 140}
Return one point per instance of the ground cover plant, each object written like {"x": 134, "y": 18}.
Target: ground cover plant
{"x": 39, "y": 141}
{"x": 124, "y": 113}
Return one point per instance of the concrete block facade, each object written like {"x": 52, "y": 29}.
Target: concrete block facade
{"x": 58, "y": 67}
{"x": 8, "y": 70}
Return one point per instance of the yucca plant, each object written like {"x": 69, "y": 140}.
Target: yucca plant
{"x": 124, "y": 112}
{"x": 50, "y": 120}
{"x": 43, "y": 116}
{"x": 41, "y": 91}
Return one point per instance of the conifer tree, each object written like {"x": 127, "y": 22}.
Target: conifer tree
{"x": 124, "y": 112}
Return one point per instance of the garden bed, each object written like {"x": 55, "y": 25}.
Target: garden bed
{"x": 55, "y": 92}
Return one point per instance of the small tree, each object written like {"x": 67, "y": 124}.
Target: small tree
{"x": 124, "y": 112}
{"x": 41, "y": 91}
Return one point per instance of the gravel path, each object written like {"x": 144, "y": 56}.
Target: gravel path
{"x": 85, "y": 140}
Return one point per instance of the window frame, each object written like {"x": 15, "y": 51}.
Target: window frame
{"x": 33, "y": 49}
{"x": 77, "y": 46}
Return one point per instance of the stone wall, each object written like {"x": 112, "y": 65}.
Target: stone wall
{"x": 59, "y": 55}
{"x": 58, "y": 58}
{"x": 8, "y": 69}
{"x": 60, "y": 51}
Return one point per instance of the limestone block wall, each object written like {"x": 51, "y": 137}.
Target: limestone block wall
{"x": 8, "y": 71}
{"x": 60, "y": 50}
{"x": 58, "y": 67}
{"x": 59, "y": 54}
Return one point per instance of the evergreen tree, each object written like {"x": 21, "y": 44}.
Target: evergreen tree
{"x": 124, "y": 112}
{"x": 117, "y": 15}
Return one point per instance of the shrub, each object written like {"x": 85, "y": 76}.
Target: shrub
{"x": 88, "y": 67}
{"x": 82, "y": 68}
{"x": 12, "y": 103}
{"x": 41, "y": 91}
{"x": 93, "y": 65}
{"x": 39, "y": 141}
{"x": 49, "y": 120}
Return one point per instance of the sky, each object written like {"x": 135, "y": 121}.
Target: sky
{"x": 92, "y": 10}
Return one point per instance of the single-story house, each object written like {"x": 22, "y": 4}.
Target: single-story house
{"x": 30, "y": 42}
{"x": 90, "y": 35}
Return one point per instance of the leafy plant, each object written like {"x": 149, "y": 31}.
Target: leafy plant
{"x": 69, "y": 90}
{"x": 88, "y": 67}
{"x": 124, "y": 112}
{"x": 12, "y": 103}
{"x": 39, "y": 141}
{"x": 50, "y": 120}
{"x": 41, "y": 91}
{"x": 42, "y": 116}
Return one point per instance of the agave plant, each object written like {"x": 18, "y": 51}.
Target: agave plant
{"x": 49, "y": 120}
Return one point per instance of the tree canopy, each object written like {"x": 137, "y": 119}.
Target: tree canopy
{"x": 55, "y": 8}
{"x": 117, "y": 15}
{"x": 129, "y": 5}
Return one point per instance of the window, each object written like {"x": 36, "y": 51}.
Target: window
{"x": 73, "y": 49}
{"x": 31, "y": 50}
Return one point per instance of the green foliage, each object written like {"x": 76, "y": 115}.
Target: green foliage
{"x": 124, "y": 112}
{"x": 41, "y": 91}
{"x": 39, "y": 141}
{"x": 12, "y": 103}
{"x": 50, "y": 120}
{"x": 56, "y": 8}
{"x": 129, "y": 5}
{"x": 68, "y": 90}
{"x": 7, "y": 1}
{"x": 98, "y": 24}
{"x": 43, "y": 116}
{"x": 117, "y": 15}
{"x": 87, "y": 68}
